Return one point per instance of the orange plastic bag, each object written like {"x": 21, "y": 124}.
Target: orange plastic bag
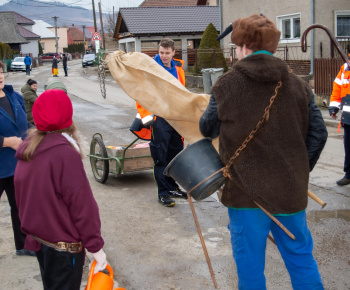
{"x": 100, "y": 280}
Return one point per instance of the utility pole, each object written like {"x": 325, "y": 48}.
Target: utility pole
{"x": 101, "y": 22}
{"x": 93, "y": 11}
{"x": 55, "y": 17}
{"x": 84, "y": 38}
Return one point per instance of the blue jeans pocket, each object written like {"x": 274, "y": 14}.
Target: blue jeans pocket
{"x": 237, "y": 241}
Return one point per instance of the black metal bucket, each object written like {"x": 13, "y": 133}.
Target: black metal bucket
{"x": 194, "y": 164}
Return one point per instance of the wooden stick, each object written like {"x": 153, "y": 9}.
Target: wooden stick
{"x": 317, "y": 199}
{"x": 271, "y": 239}
{"x": 276, "y": 221}
{"x": 202, "y": 241}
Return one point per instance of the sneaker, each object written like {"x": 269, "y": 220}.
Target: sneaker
{"x": 178, "y": 193}
{"x": 166, "y": 200}
{"x": 25, "y": 252}
{"x": 343, "y": 181}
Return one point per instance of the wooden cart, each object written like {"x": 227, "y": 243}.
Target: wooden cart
{"x": 117, "y": 159}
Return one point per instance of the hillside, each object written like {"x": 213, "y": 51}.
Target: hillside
{"x": 68, "y": 15}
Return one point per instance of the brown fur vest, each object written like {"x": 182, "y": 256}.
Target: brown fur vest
{"x": 273, "y": 170}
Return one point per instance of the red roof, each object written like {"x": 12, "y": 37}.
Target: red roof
{"x": 75, "y": 35}
{"x": 168, "y": 3}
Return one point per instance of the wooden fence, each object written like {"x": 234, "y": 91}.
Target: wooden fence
{"x": 325, "y": 71}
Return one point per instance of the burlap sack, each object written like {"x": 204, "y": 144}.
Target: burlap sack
{"x": 156, "y": 90}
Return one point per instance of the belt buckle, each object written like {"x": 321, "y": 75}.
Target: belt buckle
{"x": 62, "y": 246}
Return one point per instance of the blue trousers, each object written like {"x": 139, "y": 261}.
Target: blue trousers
{"x": 249, "y": 230}
{"x": 347, "y": 150}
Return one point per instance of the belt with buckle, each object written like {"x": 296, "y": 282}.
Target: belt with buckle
{"x": 73, "y": 248}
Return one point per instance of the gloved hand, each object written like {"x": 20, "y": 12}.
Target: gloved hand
{"x": 101, "y": 260}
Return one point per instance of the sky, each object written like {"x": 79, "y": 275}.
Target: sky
{"x": 107, "y": 5}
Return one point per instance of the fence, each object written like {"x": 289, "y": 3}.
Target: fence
{"x": 325, "y": 71}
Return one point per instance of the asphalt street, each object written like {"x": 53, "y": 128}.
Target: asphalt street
{"x": 153, "y": 247}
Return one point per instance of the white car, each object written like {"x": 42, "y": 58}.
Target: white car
{"x": 18, "y": 64}
{"x": 88, "y": 59}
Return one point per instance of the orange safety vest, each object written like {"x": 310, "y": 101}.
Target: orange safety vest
{"x": 146, "y": 133}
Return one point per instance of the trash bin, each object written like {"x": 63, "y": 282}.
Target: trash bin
{"x": 210, "y": 76}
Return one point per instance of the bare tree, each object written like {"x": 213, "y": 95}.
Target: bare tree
{"x": 110, "y": 24}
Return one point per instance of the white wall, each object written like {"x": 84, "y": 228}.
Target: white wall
{"x": 31, "y": 47}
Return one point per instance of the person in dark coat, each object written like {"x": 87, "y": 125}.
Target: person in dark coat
{"x": 273, "y": 169}
{"x": 56, "y": 205}
{"x": 54, "y": 67}
{"x": 65, "y": 67}
{"x": 13, "y": 129}
{"x": 29, "y": 95}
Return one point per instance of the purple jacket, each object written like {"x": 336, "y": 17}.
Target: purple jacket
{"x": 54, "y": 198}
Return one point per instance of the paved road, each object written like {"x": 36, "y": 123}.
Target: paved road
{"x": 152, "y": 247}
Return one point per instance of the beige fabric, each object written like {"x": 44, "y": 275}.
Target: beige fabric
{"x": 156, "y": 90}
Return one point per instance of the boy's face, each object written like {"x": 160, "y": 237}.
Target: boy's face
{"x": 166, "y": 55}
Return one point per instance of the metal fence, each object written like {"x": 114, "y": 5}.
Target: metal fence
{"x": 325, "y": 71}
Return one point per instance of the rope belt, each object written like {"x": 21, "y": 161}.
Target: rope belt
{"x": 73, "y": 248}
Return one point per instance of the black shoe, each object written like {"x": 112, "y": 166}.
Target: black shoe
{"x": 25, "y": 252}
{"x": 343, "y": 181}
{"x": 166, "y": 200}
{"x": 178, "y": 193}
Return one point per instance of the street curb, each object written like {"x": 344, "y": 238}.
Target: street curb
{"x": 331, "y": 123}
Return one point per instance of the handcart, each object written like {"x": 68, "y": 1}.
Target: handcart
{"x": 117, "y": 159}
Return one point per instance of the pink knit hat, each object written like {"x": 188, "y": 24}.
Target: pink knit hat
{"x": 53, "y": 111}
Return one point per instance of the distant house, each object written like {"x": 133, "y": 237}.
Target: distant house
{"x": 48, "y": 38}
{"x": 62, "y": 35}
{"x": 75, "y": 35}
{"x": 16, "y": 31}
{"x": 168, "y": 3}
{"x": 140, "y": 29}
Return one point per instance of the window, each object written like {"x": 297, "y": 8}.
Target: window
{"x": 342, "y": 23}
{"x": 290, "y": 27}
{"x": 42, "y": 45}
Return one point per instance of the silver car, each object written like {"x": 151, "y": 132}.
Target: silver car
{"x": 88, "y": 59}
{"x": 18, "y": 64}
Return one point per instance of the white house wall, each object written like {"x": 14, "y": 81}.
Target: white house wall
{"x": 31, "y": 47}
{"x": 126, "y": 43}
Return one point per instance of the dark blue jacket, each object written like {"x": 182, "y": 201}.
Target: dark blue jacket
{"x": 9, "y": 128}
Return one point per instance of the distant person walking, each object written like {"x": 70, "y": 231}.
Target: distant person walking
{"x": 65, "y": 67}
{"x": 27, "y": 62}
{"x": 29, "y": 95}
{"x": 54, "y": 67}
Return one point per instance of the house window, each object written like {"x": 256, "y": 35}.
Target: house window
{"x": 42, "y": 45}
{"x": 289, "y": 26}
{"x": 342, "y": 23}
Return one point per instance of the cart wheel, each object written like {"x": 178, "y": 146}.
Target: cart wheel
{"x": 100, "y": 168}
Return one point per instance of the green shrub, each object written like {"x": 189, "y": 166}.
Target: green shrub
{"x": 76, "y": 47}
{"x": 205, "y": 58}
{"x": 5, "y": 51}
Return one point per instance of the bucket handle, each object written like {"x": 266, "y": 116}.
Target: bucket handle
{"x": 91, "y": 274}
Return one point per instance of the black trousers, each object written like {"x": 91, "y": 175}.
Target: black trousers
{"x": 347, "y": 150}
{"x": 165, "y": 144}
{"x": 60, "y": 270}
{"x": 65, "y": 70}
{"x": 7, "y": 185}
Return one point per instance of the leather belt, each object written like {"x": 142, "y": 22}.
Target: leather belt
{"x": 73, "y": 248}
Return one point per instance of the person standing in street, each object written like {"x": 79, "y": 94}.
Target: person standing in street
{"x": 273, "y": 169}
{"x": 27, "y": 62}
{"x": 65, "y": 67}
{"x": 166, "y": 142}
{"x": 29, "y": 95}
{"x": 54, "y": 67}
{"x": 13, "y": 128}
{"x": 340, "y": 100}
{"x": 57, "y": 208}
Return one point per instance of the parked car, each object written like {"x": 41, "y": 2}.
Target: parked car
{"x": 18, "y": 64}
{"x": 88, "y": 59}
{"x": 49, "y": 56}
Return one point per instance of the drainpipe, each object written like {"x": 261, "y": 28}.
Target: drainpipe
{"x": 312, "y": 38}
{"x": 220, "y": 10}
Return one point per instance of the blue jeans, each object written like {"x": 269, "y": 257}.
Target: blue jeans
{"x": 249, "y": 230}
{"x": 27, "y": 70}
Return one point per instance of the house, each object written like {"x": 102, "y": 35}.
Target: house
{"x": 62, "y": 35}
{"x": 48, "y": 38}
{"x": 140, "y": 29}
{"x": 16, "y": 31}
{"x": 292, "y": 18}
{"x": 168, "y": 3}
